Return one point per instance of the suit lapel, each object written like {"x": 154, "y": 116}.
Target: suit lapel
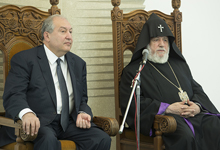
{"x": 45, "y": 69}
{"x": 71, "y": 64}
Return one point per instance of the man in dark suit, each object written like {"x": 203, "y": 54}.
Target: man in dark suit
{"x": 35, "y": 93}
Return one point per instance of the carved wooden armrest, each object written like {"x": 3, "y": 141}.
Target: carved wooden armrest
{"x": 18, "y": 128}
{"x": 109, "y": 125}
{"x": 165, "y": 124}
{"x": 24, "y": 136}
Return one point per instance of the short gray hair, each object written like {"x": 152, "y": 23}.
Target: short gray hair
{"x": 48, "y": 25}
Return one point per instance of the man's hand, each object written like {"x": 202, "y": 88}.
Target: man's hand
{"x": 176, "y": 108}
{"x": 179, "y": 108}
{"x": 191, "y": 111}
{"x": 83, "y": 121}
{"x": 30, "y": 123}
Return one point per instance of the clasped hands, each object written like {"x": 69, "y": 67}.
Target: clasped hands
{"x": 186, "y": 111}
{"x": 31, "y": 123}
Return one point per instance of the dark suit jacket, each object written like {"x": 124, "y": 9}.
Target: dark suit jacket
{"x": 30, "y": 85}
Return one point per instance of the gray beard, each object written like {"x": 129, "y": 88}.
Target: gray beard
{"x": 155, "y": 58}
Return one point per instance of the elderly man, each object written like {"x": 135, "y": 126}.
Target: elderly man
{"x": 46, "y": 88}
{"x": 167, "y": 87}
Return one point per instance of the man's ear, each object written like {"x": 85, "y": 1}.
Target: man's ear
{"x": 47, "y": 36}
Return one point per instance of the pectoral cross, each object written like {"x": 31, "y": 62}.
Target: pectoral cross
{"x": 161, "y": 28}
{"x": 183, "y": 95}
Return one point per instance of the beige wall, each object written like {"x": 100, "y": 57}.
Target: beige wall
{"x": 92, "y": 36}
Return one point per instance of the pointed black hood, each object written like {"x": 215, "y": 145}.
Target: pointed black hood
{"x": 154, "y": 27}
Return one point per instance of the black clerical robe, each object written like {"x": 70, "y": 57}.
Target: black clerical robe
{"x": 157, "y": 91}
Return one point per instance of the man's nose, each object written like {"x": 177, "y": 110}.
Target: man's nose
{"x": 161, "y": 43}
{"x": 69, "y": 35}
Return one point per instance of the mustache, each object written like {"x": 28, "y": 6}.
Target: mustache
{"x": 159, "y": 49}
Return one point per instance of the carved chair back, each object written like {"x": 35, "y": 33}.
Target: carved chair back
{"x": 19, "y": 30}
{"x": 126, "y": 29}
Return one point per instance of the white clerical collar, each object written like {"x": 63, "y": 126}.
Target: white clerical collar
{"x": 52, "y": 58}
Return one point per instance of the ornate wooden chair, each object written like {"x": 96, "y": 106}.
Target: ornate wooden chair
{"x": 126, "y": 29}
{"x": 20, "y": 30}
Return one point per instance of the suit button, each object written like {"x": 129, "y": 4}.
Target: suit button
{"x": 54, "y": 113}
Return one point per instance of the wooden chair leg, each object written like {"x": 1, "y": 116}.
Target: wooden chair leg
{"x": 158, "y": 141}
{"x": 19, "y": 142}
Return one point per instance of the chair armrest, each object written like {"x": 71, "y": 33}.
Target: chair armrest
{"x": 18, "y": 128}
{"x": 109, "y": 125}
{"x": 165, "y": 124}
{"x": 24, "y": 136}
{"x": 9, "y": 122}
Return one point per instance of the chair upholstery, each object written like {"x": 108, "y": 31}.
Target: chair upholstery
{"x": 126, "y": 29}
{"x": 20, "y": 30}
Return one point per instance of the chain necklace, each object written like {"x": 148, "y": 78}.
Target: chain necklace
{"x": 182, "y": 94}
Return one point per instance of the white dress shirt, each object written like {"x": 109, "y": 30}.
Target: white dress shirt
{"x": 53, "y": 65}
